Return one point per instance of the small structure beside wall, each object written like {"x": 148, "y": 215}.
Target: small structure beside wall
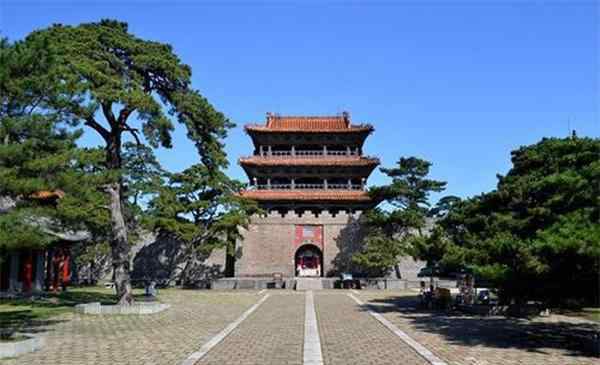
{"x": 29, "y": 270}
{"x": 26, "y": 270}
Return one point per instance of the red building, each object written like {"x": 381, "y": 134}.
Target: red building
{"x": 27, "y": 269}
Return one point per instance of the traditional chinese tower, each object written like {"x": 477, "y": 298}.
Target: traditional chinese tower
{"x": 309, "y": 174}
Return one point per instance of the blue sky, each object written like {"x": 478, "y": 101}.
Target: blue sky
{"x": 458, "y": 83}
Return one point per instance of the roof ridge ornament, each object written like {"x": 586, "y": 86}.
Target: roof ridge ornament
{"x": 340, "y": 123}
{"x": 346, "y": 117}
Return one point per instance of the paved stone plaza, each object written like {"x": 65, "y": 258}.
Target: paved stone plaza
{"x": 273, "y": 333}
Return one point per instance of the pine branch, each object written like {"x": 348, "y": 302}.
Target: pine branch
{"x": 108, "y": 114}
{"x": 134, "y": 133}
{"x": 91, "y": 122}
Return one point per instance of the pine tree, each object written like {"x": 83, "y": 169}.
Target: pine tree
{"x": 202, "y": 210}
{"x": 537, "y": 235}
{"x": 125, "y": 88}
{"x": 402, "y": 216}
{"x": 35, "y": 153}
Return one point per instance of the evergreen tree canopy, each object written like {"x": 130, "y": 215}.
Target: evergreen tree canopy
{"x": 538, "y": 234}
{"x": 37, "y": 155}
{"x": 125, "y": 89}
{"x": 202, "y": 210}
{"x": 391, "y": 229}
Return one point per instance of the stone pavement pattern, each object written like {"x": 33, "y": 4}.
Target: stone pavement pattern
{"x": 351, "y": 336}
{"x": 272, "y": 335}
{"x": 475, "y": 340}
{"x": 166, "y": 338}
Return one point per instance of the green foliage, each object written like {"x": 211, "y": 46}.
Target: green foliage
{"x": 16, "y": 232}
{"x": 392, "y": 232}
{"x": 142, "y": 173}
{"x": 432, "y": 247}
{"x": 380, "y": 253}
{"x": 537, "y": 236}
{"x": 38, "y": 153}
{"x": 105, "y": 69}
{"x": 200, "y": 207}
{"x": 408, "y": 194}
{"x": 126, "y": 90}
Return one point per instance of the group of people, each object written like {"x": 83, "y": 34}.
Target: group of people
{"x": 433, "y": 297}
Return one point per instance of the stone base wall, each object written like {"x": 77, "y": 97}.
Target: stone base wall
{"x": 268, "y": 245}
{"x": 162, "y": 259}
{"x": 409, "y": 268}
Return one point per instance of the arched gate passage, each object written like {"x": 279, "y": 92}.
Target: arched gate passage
{"x": 308, "y": 261}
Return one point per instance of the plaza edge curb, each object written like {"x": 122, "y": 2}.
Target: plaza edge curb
{"x": 417, "y": 347}
{"x": 195, "y": 356}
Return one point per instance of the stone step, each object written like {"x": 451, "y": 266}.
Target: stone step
{"x": 309, "y": 284}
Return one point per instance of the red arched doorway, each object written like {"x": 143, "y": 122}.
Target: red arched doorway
{"x": 308, "y": 261}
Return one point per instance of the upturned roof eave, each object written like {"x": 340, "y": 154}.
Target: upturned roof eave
{"x": 319, "y": 161}
{"x": 261, "y": 128}
{"x": 300, "y": 195}
{"x": 248, "y": 168}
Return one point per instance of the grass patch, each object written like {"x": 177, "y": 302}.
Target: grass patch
{"x": 11, "y": 337}
{"x": 26, "y": 313}
{"x": 590, "y": 313}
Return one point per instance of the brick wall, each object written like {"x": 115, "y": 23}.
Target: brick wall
{"x": 270, "y": 242}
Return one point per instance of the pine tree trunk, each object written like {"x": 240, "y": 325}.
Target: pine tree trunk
{"x": 183, "y": 278}
{"x": 185, "y": 273}
{"x": 397, "y": 270}
{"x": 119, "y": 246}
{"x": 119, "y": 243}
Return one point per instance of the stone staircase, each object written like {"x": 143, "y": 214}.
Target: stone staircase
{"x": 309, "y": 284}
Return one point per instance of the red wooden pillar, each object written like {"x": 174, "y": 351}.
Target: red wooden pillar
{"x": 66, "y": 269}
{"x": 27, "y": 271}
{"x": 56, "y": 269}
{"x": 49, "y": 269}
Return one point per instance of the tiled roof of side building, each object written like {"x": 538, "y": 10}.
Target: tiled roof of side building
{"x": 314, "y": 195}
{"x": 309, "y": 161}
{"x": 337, "y": 123}
{"x": 47, "y": 194}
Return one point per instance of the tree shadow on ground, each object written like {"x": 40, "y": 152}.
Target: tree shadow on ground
{"x": 67, "y": 298}
{"x": 26, "y": 320}
{"x": 34, "y": 314}
{"x": 492, "y": 331}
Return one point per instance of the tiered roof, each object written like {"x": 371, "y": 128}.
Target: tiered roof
{"x": 308, "y": 124}
{"x": 276, "y": 124}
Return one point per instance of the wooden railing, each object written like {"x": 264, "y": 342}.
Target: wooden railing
{"x": 308, "y": 153}
{"x": 308, "y": 187}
